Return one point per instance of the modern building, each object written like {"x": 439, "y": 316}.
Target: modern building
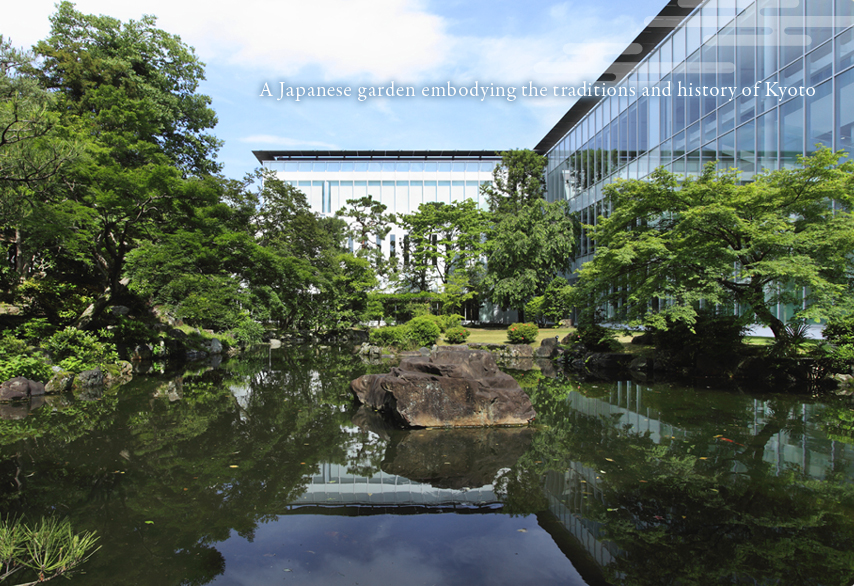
{"x": 750, "y": 84}
{"x": 669, "y": 103}
{"x": 402, "y": 180}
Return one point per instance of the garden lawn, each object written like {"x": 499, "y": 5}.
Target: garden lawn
{"x": 498, "y": 335}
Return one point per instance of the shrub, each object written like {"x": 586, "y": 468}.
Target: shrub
{"x": 597, "y": 338}
{"x": 450, "y": 321}
{"x": 712, "y": 335}
{"x": 522, "y": 333}
{"x": 424, "y": 331}
{"x": 839, "y": 354}
{"x": 27, "y": 366}
{"x": 11, "y": 346}
{"x": 391, "y": 336}
{"x": 35, "y": 330}
{"x": 248, "y": 332}
{"x": 456, "y": 335}
{"x": 85, "y": 346}
{"x": 534, "y": 309}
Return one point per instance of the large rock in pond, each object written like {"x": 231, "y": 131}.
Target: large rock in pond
{"x": 20, "y": 389}
{"x": 452, "y": 387}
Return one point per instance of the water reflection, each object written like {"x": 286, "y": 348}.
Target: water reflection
{"x": 260, "y": 471}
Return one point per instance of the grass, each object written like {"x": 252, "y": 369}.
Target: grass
{"x": 498, "y": 335}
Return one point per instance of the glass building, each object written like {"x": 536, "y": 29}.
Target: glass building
{"x": 758, "y": 48}
{"x": 402, "y": 180}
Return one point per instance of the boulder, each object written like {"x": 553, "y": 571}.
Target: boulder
{"x": 20, "y": 389}
{"x": 60, "y": 383}
{"x": 453, "y": 387}
{"x": 215, "y": 346}
{"x": 89, "y": 379}
{"x": 547, "y": 349}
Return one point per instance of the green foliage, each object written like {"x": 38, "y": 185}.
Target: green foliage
{"x": 132, "y": 331}
{"x": 517, "y": 182}
{"x": 532, "y": 240}
{"x": 711, "y": 238}
{"x": 534, "y": 309}
{"x": 557, "y": 300}
{"x": 838, "y": 353}
{"x": 401, "y": 307}
{"x": 60, "y": 301}
{"x": 417, "y": 332}
{"x": 597, "y": 338}
{"x": 248, "y": 332}
{"x": 15, "y": 361}
{"x": 449, "y": 321}
{"x": 445, "y": 243}
{"x": 83, "y": 346}
{"x": 522, "y": 333}
{"x": 424, "y": 331}
{"x": 50, "y": 548}
{"x": 11, "y": 346}
{"x": 840, "y": 330}
{"x": 30, "y": 367}
{"x": 36, "y": 330}
{"x": 391, "y": 337}
{"x": 456, "y": 335}
{"x": 367, "y": 223}
{"x": 713, "y": 335}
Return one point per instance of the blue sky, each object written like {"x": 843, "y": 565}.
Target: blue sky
{"x": 371, "y": 44}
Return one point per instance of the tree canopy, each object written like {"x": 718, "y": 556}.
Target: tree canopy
{"x": 669, "y": 247}
{"x": 532, "y": 240}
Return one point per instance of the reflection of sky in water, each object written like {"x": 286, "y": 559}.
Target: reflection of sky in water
{"x": 401, "y": 550}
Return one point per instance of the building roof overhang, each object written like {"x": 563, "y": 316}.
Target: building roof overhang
{"x": 318, "y": 155}
{"x": 663, "y": 24}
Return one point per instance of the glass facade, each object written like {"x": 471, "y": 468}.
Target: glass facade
{"x": 790, "y": 62}
{"x": 400, "y": 180}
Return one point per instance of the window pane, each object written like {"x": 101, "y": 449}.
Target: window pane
{"x": 845, "y": 115}
{"x": 745, "y": 141}
{"x": 766, "y": 141}
{"x": 820, "y": 117}
{"x": 820, "y": 64}
{"x": 791, "y": 132}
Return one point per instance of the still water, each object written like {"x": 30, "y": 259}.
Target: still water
{"x": 261, "y": 471}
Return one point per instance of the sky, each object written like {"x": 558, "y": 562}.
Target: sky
{"x": 250, "y": 46}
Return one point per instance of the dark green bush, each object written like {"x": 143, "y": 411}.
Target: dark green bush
{"x": 713, "y": 335}
{"x": 456, "y": 335}
{"x": 597, "y": 338}
{"x": 520, "y": 333}
{"x": 839, "y": 352}
{"x": 424, "y": 331}
{"x": 84, "y": 346}
{"x": 391, "y": 336}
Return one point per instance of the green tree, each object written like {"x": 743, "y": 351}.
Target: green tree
{"x": 131, "y": 90}
{"x": 518, "y": 181}
{"x": 668, "y": 246}
{"x": 34, "y": 147}
{"x": 367, "y": 225}
{"x": 446, "y": 246}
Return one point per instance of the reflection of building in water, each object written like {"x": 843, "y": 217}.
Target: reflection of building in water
{"x": 571, "y": 494}
{"x": 811, "y": 453}
{"x": 336, "y": 486}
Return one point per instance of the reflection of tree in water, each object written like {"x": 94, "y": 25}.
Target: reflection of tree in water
{"x": 703, "y": 509}
{"x": 163, "y": 481}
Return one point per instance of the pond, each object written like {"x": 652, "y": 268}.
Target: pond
{"x": 262, "y": 471}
